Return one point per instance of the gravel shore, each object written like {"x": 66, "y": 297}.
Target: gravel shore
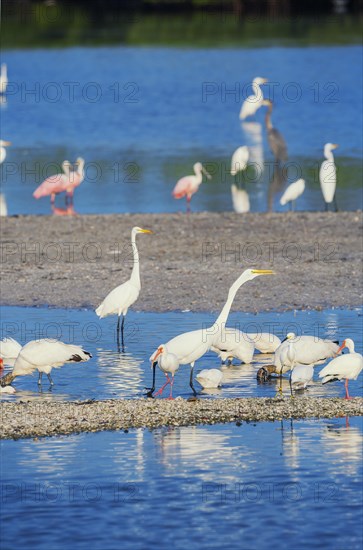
{"x": 188, "y": 263}
{"x": 29, "y": 419}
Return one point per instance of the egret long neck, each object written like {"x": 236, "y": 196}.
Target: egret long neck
{"x": 329, "y": 155}
{"x": 223, "y": 316}
{"x": 135, "y": 274}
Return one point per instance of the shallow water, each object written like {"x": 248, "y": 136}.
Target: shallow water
{"x": 200, "y": 487}
{"x": 110, "y": 374}
{"x": 141, "y": 117}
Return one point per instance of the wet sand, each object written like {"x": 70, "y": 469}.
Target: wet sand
{"x": 188, "y": 263}
{"x": 30, "y": 419}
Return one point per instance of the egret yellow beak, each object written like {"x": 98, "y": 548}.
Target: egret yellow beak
{"x": 145, "y": 231}
{"x": 263, "y": 272}
{"x": 6, "y": 143}
{"x": 265, "y": 80}
{"x": 335, "y": 145}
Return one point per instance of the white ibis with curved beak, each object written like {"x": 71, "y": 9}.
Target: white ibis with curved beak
{"x": 346, "y": 367}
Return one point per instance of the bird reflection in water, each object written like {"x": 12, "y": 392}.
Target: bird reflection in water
{"x": 277, "y": 183}
{"x": 253, "y": 135}
{"x": 343, "y": 444}
{"x": 121, "y": 372}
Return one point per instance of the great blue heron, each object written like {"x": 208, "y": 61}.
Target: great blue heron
{"x": 276, "y": 141}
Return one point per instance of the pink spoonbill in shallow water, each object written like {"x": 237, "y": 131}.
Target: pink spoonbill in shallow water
{"x": 188, "y": 185}
{"x": 54, "y": 184}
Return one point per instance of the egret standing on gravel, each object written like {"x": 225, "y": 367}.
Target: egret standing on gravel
{"x": 253, "y": 102}
{"x": 293, "y": 191}
{"x": 191, "y": 346}
{"x": 44, "y": 355}
{"x": 328, "y": 176}
{"x": 188, "y": 185}
{"x": 118, "y": 301}
{"x": 346, "y": 367}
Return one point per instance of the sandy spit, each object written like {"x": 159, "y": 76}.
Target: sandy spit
{"x": 188, "y": 263}
{"x": 30, "y": 419}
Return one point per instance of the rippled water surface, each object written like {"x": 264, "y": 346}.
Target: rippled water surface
{"x": 141, "y": 117}
{"x": 110, "y": 374}
{"x": 205, "y": 487}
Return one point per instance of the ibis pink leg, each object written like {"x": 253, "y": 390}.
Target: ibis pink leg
{"x": 159, "y": 392}
{"x": 347, "y": 396}
{"x": 171, "y": 388}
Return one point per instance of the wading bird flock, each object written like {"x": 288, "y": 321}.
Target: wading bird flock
{"x": 295, "y": 355}
{"x": 187, "y": 186}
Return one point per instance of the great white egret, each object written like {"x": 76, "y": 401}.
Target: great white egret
{"x": 9, "y": 350}
{"x": 264, "y": 342}
{"x": 240, "y": 199}
{"x": 274, "y": 137}
{"x": 188, "y": 185}
{"x": 210, "y": 378}
{"x": 3, "y": 78}
{"x": 191, "y": 346}
{"x": 54, "y": 184}
{"x": 293, "y": 191}
{"x": 254, "y": 101}
{"x": 3, "y": 144}
{"x": 169, "y": 364}
{"x": 239, "y": 160}
{"x": 118, "y": 301}
{"x": 328, "y": 176}
{"x": 346, "y": 367}
{"x": 44, "y": 355}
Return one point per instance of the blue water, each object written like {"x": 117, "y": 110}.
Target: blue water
{"x": 294, "y": 484}
{"x": 141, "y": 117}
{"x": 110, "y": 374}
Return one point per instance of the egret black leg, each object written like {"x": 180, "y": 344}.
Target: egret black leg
{"x": 191, "y": 380}
{"x": 152, "y": 389}
{"x": 50, "y": 379}
{"x": 335, "y": 203}
{"x": 40, "y": 378}
{"x": 326, "y": 207}
{"x": 118, "y": 331}
{"x": 291, "y": 395}
{"x": 122, "y": 333}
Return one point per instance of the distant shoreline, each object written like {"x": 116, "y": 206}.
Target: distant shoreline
{"x": 188, "y": 263}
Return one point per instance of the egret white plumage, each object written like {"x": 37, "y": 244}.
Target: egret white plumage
{"x": 169, "y": 364}
{"x": 328, "y": 176}
{"x": 9, "y": 350}
{"x": 264, "y": 342}
{"x": 240, "y": 200}
{"x": 210, "y": 378}
{"x": 191, "y": 346}
{"x": 118, "y": 301}
{"x": 308, "y": 349}
{"x": 301, "y": 376}
{"x": 3, "y": 144}
{"x": 3, "y": 205}
{"x": 346, "y": 367}
{"x": 239, "y": 160}
{"x": 292, "y": 192}
{"x": 231, "y": 343}
{"x": 44, "y": 355}
{"x": 254, "y": 101}
{"x": 3, "y": 78}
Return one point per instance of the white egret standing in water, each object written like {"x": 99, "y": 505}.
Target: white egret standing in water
{"x": 254, "y": 101}
{"x": 328, "y": 176}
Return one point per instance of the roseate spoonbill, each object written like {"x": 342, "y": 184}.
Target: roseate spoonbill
{"x": 275, "y": 140}
{"x": 253, "y": 102}
{"x": 118, "y": 301}
{"x": 346, "y": 367}
{"x": 240, "y": 200}
{"x": 169, "y": 364}
{"x": 3, "y": 78}
{"x": 187, "y": 186}
{"x": 292, "y": 192}
{"x": 9, "y": 350}
{"x": 328, "y": 176}
{"x": 3, "y": 144}
{"x": 44, "y": 355}
{"x": 191, "y": 346}
{"x": 239, "y": 160}
{"x": 210, "y": 378}
{"x": 54, "y": 184}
